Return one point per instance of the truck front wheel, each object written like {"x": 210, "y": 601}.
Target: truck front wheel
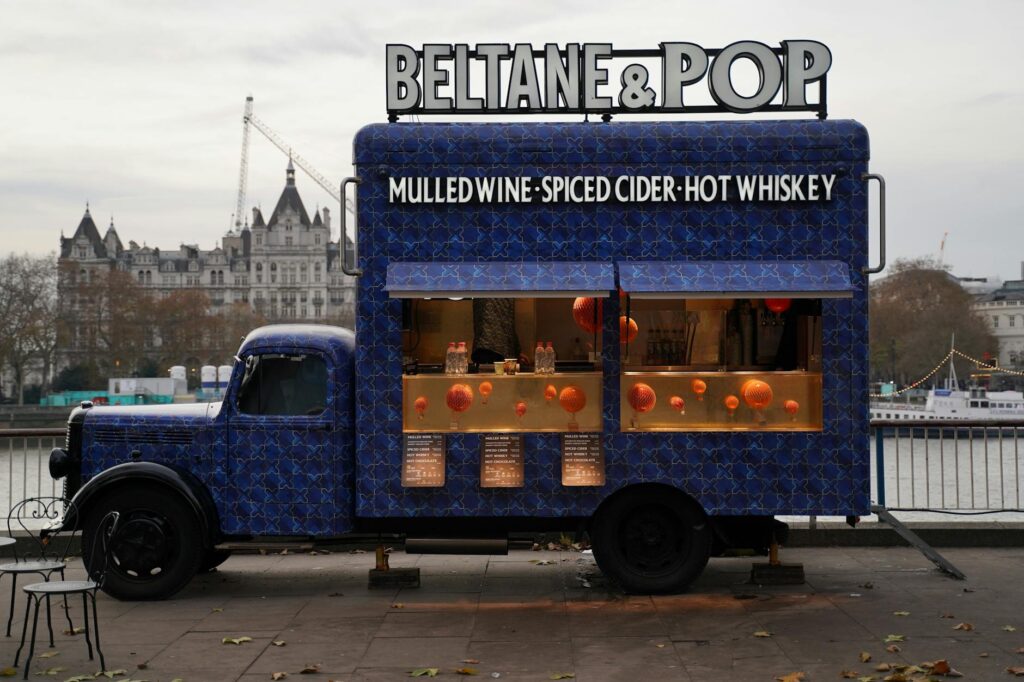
{"x": 157, "y": 549}
{"x": 651, "y": 540}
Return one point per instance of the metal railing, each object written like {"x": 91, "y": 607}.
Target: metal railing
{"x": 948, "y": 465}
{"x": 24, "y": 455}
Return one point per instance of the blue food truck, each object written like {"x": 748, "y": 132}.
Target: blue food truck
{"x": 654, "y": 332}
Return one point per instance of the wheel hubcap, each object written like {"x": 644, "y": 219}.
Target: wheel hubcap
{"x": 143, "y": 545}
{"x": 653, "y": 540}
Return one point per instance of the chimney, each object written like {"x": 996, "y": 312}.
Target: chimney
{"x": 327, "y": 224}
{"x": 255, "y": 211}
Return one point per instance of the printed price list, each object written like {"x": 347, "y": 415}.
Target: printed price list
{"x": 582, "y": 459}
{"x": 423, "y": 460}
{"x": 501, "y": 461}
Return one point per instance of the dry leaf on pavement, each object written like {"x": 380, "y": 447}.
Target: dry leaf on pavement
{"x": 966, "y": 627}
{"x": 467, "y": 671}
{"x": 792, "y": 677}
{"x": 1009, "y": 628}
{"x": 893, "y": 648}
{"x": 762, "y": 633}
{"x": 1017, "y": 671}
{"x": 424, "y": 672}
{"x": 235, "y": 640}
{"x": 310, "y": 669}
{"x": 562, "y": 676}
{"x": 865, "y": 657}
{"x": 901, "y": 613}
{"x": 278, "y": 676}
{"x": 278, "y": 642}
{"x": 893, "y": 638}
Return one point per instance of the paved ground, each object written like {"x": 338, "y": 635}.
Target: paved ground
{"x": 517, "y": 619}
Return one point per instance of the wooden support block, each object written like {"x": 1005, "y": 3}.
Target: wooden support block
{"x": 395, "y": 577}
{"x": 777, "y": 574}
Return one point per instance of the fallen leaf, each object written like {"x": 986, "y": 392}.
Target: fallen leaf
{"x": 1017, "y": 671}
{"x": 52, "y": 671}
{"x": 762, "y": 633}
{"x": 278, "y": 676}
{"x": 49, "y": 654}
{"x": 400, "y": 606}
{"x": 940, "y": 667}
{"x": 111, "y": 674}
{"x": 1020, "y": 650}
{"x": 966, "y": 627}
{"x": 660, "y": 646}
{"x": 9, "y": 672}
{"x": 76, "y": 631}
{"x": 866, "y": 678}
{"x": 142, "y": 666}
{"x": 792, "y": 677}
{"x": 217, "y": 610}
{"x": 1009, "y": 628}
{"x": 467, "y": 671}
{"x": 901, "y": 613}
{"x": 310, "y": 669}
{"x": 893, "y": 648}
{"x": 893, "y": 638}
{"x": 541, "y": 562}
{"x": 357, "y": 551}
{"x": 867, "y": 586}
{"x": 883, "y": 667}
{"x": 896, "y": 677}
{"x": 865, "y": 657}
{"x": 278, "y": 642}
{"x": 946, "y": 615}
{"x": 983, "y": 654}
{"x": 470, "y": 660}
{"x": 562, "y": 676}
{"x": 848, "y": 674}
{"x": 235, "y": 640}
{"x": 424, "y": 672}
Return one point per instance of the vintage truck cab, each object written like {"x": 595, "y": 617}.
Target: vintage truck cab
{"x": 273, "y": 458}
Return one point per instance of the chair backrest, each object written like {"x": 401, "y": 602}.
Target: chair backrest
{"x": 26, "y": 517}
{"x": 104, "y": 542}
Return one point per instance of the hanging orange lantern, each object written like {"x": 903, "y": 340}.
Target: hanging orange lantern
{"x": 677, "y": 404}
{"x": 485, "y": 390}
{"x": 572, "y": 399}
{"x": 642, "y": 397}
{"x": 627, "y": 329}
{"x": 699, "y": 387}
{"x": 420, "y": 405}
{"x": 731, "y": 403}
{"x": 586, "y": 312}
{"x": 778, "y": 305}
{"x": 757, "y": 394}
{"x": 459, "y": 397}
{"x": 550, "y": 393}
{"x": 791, "y": 407}
{"x": 520, "y": 410}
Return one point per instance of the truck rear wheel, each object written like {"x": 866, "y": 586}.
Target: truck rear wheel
{"x": 651, "y": 540}
{"x": 157, "y": 549}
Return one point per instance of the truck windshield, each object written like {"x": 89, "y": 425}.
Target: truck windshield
{"x": 284, "y": 385}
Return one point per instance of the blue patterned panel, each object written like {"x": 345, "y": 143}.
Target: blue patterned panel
{"x": 726, "y": 472}
{"x": 818, "y": 278}
{"x": 500, "y": 278}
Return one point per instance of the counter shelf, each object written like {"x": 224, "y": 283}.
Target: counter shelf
{"x": 519, "y": 403}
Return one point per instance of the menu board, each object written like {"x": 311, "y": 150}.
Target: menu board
{"x": 582, "y": 459}
{"x": 423, "y": 460}
{"x": 501, "y": 460}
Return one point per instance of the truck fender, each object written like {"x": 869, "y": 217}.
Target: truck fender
{"x": 182, "y": 482}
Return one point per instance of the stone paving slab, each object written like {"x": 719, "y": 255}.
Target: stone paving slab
{"x": 524, "y": 620}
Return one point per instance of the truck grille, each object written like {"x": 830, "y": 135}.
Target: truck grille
{"x": 122, "y": 435}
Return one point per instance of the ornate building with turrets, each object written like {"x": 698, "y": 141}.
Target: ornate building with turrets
{"x": 286, "y": 267}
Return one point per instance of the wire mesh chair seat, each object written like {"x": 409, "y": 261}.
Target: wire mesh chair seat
{"x": 43, "y": 559}
{"x": 38, "y": 592}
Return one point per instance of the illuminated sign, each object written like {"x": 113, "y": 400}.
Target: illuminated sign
{"x": 497, "y": 78}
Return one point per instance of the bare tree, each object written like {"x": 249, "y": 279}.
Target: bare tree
{"x": 28, "y": 311}
{"x": 914, "y": 313}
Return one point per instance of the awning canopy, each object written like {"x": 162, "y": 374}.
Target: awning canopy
{"x": 718, "y": 279}
{"x": 500, "y": 279}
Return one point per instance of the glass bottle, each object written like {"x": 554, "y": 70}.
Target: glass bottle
{"x": 549, "y": 360}
{"x": 462, "y": 366}
{"x": 538, "y": 358}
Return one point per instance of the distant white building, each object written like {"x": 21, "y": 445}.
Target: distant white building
{"x": 1003, "y": 309}
{"x": 286, "y": 268}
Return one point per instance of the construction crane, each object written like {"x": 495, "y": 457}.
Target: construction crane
{"x": 249, "y": 119}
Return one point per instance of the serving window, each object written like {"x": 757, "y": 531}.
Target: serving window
{"x": 500, "y": 386}
{"x": 721, "y": 364}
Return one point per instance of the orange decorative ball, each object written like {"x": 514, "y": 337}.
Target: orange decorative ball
{"x": 731, "y": 403}
{"x": 572, "y": 399}
{"x": 642, "y": 397}
{"x": 485, "y": 390}
{"x": 420, "y": 405}
{"x": 699, "y": 387}
{"x": 757, "y": 394}
{"x": 778, "y": 305}
{"x": 791, "y": 407}
{"x": 583, "y": 313}
{"x": 627, "y": 330}
{"x": 677, "y": 403}
{"x": 459, "y": 397}
{"x": 520, "y": 409}
{"x": 550, "y": 393}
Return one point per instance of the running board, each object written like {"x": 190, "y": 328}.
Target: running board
{"x": 885, "y": 516}
{"x": 266, "y": 546}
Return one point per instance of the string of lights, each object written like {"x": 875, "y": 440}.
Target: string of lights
{"x": 939, "y": 366}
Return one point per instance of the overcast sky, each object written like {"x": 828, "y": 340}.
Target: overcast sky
{"x": 136, "y": 107}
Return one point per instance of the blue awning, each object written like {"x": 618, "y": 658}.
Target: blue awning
{"x": 716, "y": 279}
{"x": 500, "y": 279}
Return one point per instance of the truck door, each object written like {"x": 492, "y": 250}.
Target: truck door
{"x": 280, "y": 438}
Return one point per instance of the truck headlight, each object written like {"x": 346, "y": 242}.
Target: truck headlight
{"x": 59, "y": 463}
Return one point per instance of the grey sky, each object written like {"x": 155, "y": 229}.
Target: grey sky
{"x": 136, "y": 107}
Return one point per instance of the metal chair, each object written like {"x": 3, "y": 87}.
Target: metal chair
{"x": 87, "y": 588}
{"x": 44, "y": 559}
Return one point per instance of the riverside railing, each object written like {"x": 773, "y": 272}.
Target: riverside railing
{"x": 951, "y": 466}
{"x": 24, "y": 456}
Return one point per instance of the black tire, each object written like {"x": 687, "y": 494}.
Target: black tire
{"x": 157, "y": 548}
{"x": 213, "y": 558}
{"x": 651, "y": 540}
